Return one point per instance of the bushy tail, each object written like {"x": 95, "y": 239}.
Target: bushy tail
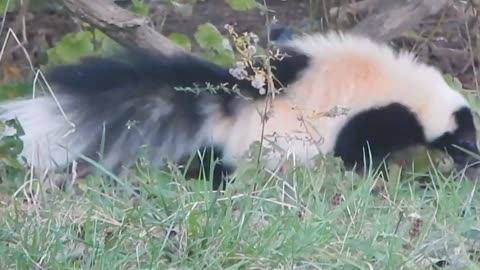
{"x": 45, "y": 130}
{"x": 108, "y": 109}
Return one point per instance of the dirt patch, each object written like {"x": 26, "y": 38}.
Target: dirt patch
{"x": 218, "y": 13}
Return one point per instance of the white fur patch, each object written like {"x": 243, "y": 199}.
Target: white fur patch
{"x": 45, "y": 143}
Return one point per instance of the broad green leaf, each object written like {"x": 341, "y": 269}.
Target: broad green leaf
{"x": 208, "y": 37}
{"x": 181, "y": 40}
{"x": 74, "y": 46}
{"x": 216, "y": 47}
{"x": 242, "y": 5}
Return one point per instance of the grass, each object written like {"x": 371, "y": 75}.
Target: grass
{"x": 326, "y": 219}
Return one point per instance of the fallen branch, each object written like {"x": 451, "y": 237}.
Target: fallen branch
{"x": 394, "y": 17}
{"x": 121, "y": 25}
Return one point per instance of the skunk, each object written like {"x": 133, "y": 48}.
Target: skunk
{"x": 343, "y": 94}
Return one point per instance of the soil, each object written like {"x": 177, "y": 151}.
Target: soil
{"x": 442, "y": 40}
{"x": 218, "y": 13}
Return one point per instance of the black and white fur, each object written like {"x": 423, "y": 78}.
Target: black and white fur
{"x": 392, "y": 102}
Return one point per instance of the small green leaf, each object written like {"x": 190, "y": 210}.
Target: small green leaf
{"x": 181, "y": 40}
{"x": 208, "y": 37}
{"x": 216, "y": 46}
{"x": 242, "y": 5}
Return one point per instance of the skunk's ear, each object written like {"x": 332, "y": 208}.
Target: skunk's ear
{"x": 280, "y": 33}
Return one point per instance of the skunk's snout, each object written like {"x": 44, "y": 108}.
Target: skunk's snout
{"x": 465, "y": 153}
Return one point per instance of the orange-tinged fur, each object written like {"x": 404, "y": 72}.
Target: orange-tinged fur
{"x": 340, "y": 80}
{"x": 293, "y": 120}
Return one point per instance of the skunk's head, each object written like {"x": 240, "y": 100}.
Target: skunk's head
{"x": 443, "y": 114}
{"x": 458, "y": 135}
{"x": 393, "y": 101}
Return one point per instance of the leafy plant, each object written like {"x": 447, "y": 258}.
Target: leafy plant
{"x": 74, "y": 46}
{"x": 217, "y": 48}
{"x": 181, "y": 40}
{"x": 11, "y": 145}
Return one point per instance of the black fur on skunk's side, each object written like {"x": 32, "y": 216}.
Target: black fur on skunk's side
{"x": 115, "y": 109}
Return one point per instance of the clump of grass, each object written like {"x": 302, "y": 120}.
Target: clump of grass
{"x": 321, "y": 218}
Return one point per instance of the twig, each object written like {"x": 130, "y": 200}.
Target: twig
{"x": 21, "y": 17}
{"x": 19, "y": 26}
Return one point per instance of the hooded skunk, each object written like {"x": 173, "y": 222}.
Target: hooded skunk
{"x": 391, "y": 102}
